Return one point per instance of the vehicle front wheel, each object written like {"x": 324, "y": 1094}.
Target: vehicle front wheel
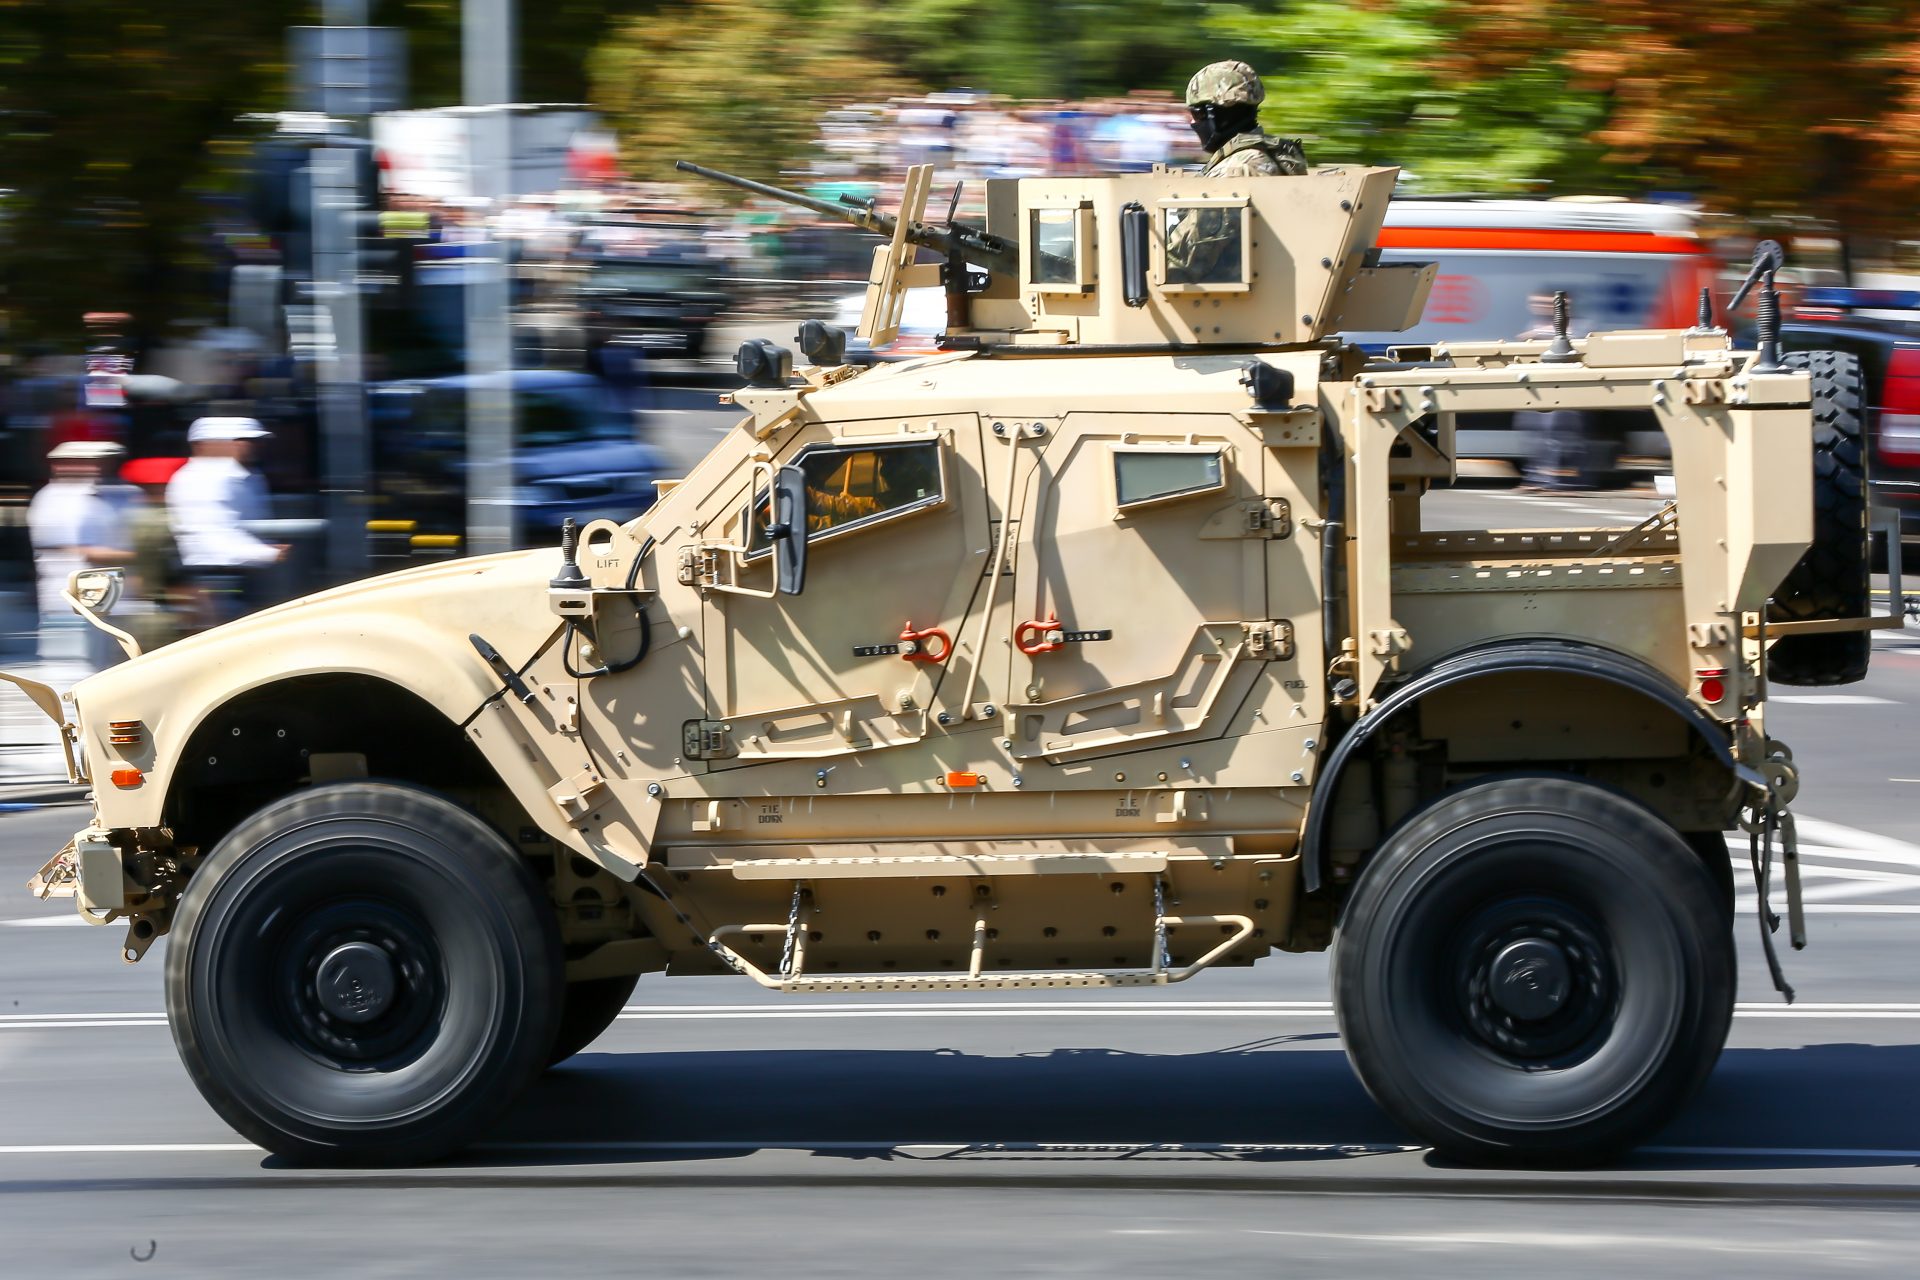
{"x": 1534, "y": 971}
{"x": 363, "y": 973}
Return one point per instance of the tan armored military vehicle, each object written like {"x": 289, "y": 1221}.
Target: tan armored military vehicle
{"x": 1103, "y": 648}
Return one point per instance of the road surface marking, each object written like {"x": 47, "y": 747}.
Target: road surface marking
{"x": 123, "y": 1148}
{"x": 1825, "y": 1249}
{"x": 1316, "y": 1009}
{"x": 1833, "y": 699}
{"x": 1118, "y": 1151}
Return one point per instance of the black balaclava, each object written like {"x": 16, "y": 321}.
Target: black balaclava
{"x": 1214, "y": 124}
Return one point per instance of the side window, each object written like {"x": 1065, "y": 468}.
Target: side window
{"x": 1144, "y": 476}
{"x": 854, "y": 486}
{"x": 1060, "y": 248}
{"x": 1053, "y": 247}
{"x": 1206, "y": 245}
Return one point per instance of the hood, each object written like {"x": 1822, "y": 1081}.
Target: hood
{"x": 409, "y": 627}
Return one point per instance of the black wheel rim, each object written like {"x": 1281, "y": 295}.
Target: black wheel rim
{"x": 360, "y": 983}
{"x": 1533, "y": 981}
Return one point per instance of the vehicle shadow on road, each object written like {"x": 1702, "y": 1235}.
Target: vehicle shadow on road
{"x": 1819, "y": 1106}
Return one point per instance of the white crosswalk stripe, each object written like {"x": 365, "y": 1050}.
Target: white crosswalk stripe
{"x": 1843, "y": 871}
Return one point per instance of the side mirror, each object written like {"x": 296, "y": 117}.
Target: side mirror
{"x": 787, "y": 530}
{"x": 97, "y": 589}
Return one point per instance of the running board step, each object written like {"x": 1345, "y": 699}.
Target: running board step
{"x": 798, "y": 981}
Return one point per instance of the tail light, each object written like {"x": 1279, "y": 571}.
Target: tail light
{"x": 1713, "y": 686}
{"x": 1900, "y": 409}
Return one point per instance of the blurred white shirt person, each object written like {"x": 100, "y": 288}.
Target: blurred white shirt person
{"x": 208, "y": 501}
{"x": 74, "y": 524}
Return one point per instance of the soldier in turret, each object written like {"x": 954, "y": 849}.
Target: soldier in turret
{"x": 1224, "y": 100}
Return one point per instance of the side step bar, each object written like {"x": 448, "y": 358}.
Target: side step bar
{"x": 797, "y": 980}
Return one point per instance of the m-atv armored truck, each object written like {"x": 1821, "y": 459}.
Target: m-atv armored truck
{"x": 1102, "y": 648}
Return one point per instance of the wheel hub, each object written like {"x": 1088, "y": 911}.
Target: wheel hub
{"x": 1530, "y": 979}
{"x": 355, "y": 982}
{"x": 361, "y": 981}
{"x": 1535, "y": 981}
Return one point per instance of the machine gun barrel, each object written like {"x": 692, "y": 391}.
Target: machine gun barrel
{"x": 973, "y": 243}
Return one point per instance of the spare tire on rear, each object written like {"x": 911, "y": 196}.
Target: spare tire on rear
{"x": 1831, "y": 580}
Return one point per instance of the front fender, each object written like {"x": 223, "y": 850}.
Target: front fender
{"x": 409, "y": 629}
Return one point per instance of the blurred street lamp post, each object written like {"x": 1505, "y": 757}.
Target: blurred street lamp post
{"x": 335, "y": 183}
{"x": 486, "y": 64}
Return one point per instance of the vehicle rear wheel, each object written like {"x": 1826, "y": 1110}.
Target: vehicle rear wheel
{"x": 589, "y": 1009}
{"x": 1832, "y": 579}
{"x": 1712, "y": 850}
{"x": 363, "y": 973}
{"x": 1534, "y": 971}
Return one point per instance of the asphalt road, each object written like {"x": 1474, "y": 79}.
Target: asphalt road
{"x": 716, "y": 1130}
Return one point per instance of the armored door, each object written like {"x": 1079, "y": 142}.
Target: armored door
{"x": 1140, "y": 592}
{"x": 862, "y": 659}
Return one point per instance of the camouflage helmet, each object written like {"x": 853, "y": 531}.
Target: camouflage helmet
{"x": 1226, "y": 84}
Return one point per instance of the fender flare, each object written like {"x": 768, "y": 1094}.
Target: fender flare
{"x": 1566, "y": 657}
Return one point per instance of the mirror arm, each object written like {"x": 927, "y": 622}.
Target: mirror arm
{"x": 126, "y": 642}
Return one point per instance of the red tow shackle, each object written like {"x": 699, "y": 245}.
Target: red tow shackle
{"x": 1031, "y": 637}
{"x": 920, "y": 646}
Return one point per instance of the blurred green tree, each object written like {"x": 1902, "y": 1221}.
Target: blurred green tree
{"x": 734, "y": 83}
{"x": 112, "y": 115}
{"x": 743, "y": 81}
{"x": 1769, "y": 108}
{"x": 1041, "y": 49}
{"x": 120, "y": 118}
{"x": 1384, "y": 82}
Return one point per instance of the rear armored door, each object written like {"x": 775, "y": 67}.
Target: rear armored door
{"x": 1140, "y": 588}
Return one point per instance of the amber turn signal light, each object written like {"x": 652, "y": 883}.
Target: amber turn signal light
{"x": 124, "y": 733}
{"x": 127, "y": 777}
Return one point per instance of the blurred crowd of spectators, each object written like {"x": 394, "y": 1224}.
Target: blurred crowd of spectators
{"x": 970, "y": 136}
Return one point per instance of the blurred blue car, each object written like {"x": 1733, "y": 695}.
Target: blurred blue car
{"x": 576, "y": 451}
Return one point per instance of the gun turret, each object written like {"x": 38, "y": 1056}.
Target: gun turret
{"x": 954, "y": 239}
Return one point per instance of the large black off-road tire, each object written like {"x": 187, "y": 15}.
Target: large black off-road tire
{"x": 590, "y": 1007}
{"x": 1534, "y": 971}
{"x": 1831, "y": 580}
{"x": 363, "y": 973}
{"x": 1712, "y": 850}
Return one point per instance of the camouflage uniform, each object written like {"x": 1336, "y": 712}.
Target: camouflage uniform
{"x": 1200, "y": 242}
{"x": 1255, "y": 155}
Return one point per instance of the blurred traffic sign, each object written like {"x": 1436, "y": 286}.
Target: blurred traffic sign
{"x": 348, "y": 71}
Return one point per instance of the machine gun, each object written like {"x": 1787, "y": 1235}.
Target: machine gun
{"x": 956, "y": 240}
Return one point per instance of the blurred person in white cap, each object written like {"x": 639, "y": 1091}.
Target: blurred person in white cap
{"x": 75, "y": 524}
{"x": 209, "y": 502}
